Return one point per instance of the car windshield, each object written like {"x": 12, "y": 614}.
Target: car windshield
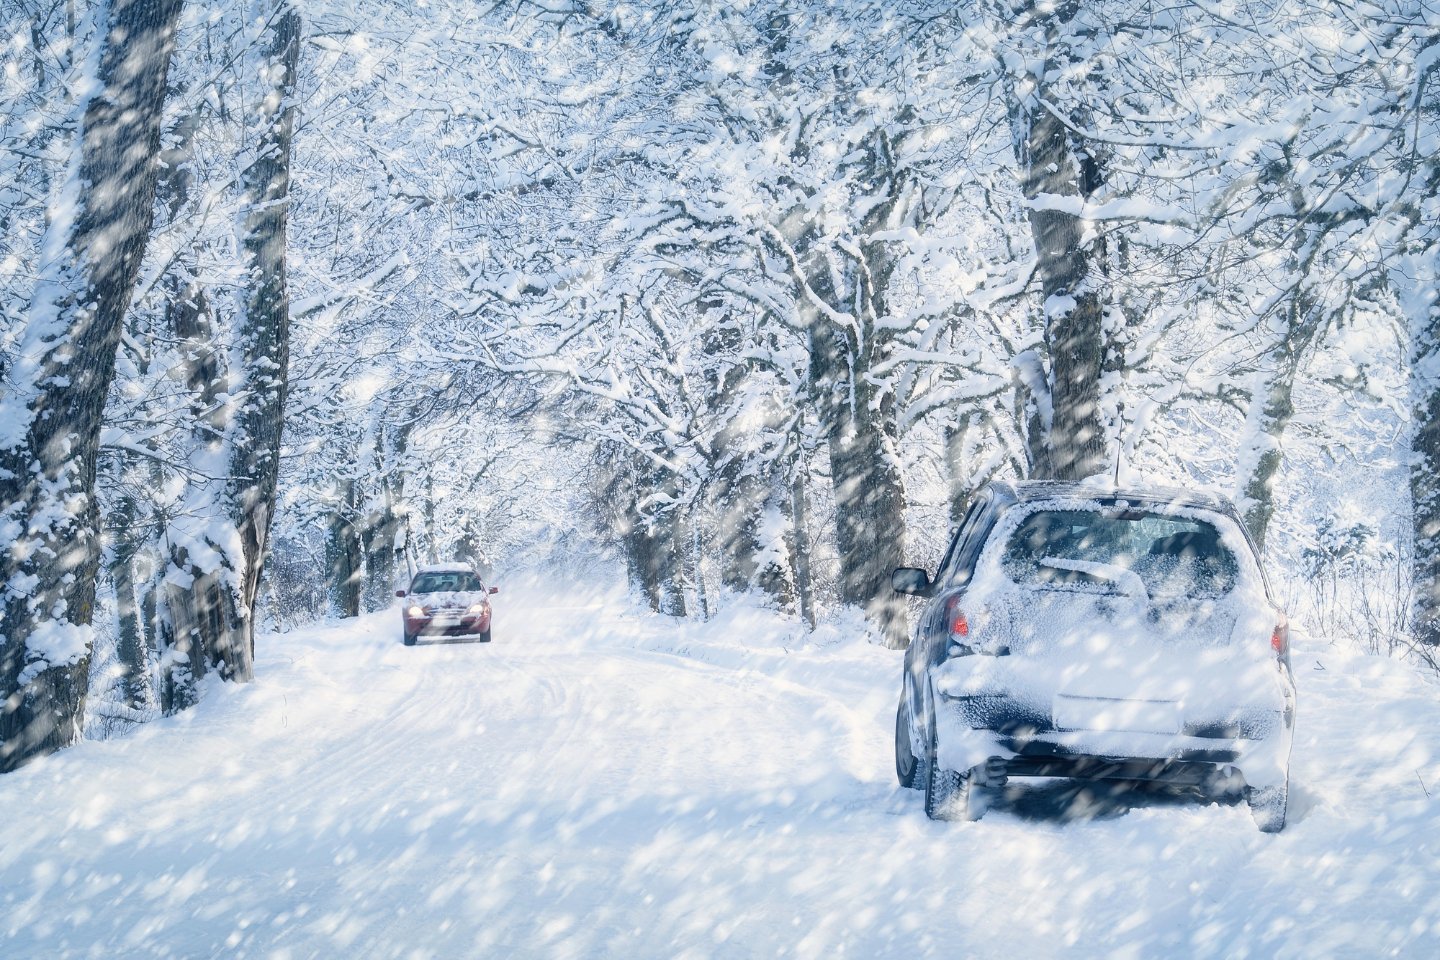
{"x": 1102, "y": 549}
{"x": 446, "y": 581}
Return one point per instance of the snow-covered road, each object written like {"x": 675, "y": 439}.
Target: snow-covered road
{"x": 600, "y": 783}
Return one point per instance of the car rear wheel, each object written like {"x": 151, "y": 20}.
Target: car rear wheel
{"x": 1268, "y": 806}
{"x": 909, "y": 769}
{"x": 949, "y": 794}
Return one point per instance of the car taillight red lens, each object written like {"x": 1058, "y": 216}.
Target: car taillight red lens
{"x": 1280, "y": 640}
{"x": 959, "y": 625}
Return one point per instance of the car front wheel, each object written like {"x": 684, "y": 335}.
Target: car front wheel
{"x": 409, "y": 639}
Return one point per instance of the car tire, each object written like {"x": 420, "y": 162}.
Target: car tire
{"x": 409, "y": 639}
{"x": 485, "y": 637}
{"x": 949, "y": 794}
{"x": 906, "y": 762}
{"x": 1268, "y": 806}
{"x": 909, "y": 769}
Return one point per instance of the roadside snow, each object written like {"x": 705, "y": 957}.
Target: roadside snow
{"x": 603, "y": 783}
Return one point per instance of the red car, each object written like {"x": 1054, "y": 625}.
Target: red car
{"x": 446, "y": 600}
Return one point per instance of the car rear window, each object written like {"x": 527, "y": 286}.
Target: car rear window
{"x": 446, "y": 582}
{"x": 1098, "y": 549}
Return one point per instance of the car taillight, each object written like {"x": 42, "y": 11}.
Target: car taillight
{"x": 959, "y": 625}
{"x": 1280, "y": 640}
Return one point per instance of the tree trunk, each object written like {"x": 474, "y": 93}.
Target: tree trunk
{"x": 133, "y": 645}
{"x": 1069, "y": 260}
{"x": 1271, "y": 408}
{"x": 133, "y": 642}
{"x": 54, "y": 398}
{"x": 654, "y": 563}
{"x": 1271, "y": 404}
{"x": 1425, "y": 483}
{"x": 865, "y": 473}
{"x": 800, "y": 544}
{"x": 264, "y": 337}
{"x": 752, "y": 513}
{"x": 957, "y": 470}
{"x": 344, "y": 556}
{"x": 198, "y": 609}
{"x": 385, "y": 549}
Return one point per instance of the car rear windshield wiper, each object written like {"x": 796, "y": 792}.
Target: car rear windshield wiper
{"x": 1126, "y": 579}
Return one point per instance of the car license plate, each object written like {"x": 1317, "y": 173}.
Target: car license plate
{"x": 1105, "y": 713}
{"x": 446, "y": 621}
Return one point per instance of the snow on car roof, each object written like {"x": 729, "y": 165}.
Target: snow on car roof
{"x": 446, "y": 568}
{"x": 1057, "y": 489}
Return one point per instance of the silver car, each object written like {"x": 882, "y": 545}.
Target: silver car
{"x": 1105, "y": 635}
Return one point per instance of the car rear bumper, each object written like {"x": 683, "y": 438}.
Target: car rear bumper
{"x": 971, "y": 731}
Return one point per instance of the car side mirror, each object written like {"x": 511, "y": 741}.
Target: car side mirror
{"x": 494, "y": 589}
{"x": 399, "y": 593}
{"x": 911, "y": 580}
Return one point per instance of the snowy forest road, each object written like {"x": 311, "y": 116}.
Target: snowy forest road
{"x": 600, "y": 783}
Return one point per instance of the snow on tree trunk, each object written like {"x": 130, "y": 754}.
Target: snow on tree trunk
{"x": 957, "y": 469}
{"x": 800, "y": 544}
{"x": 1425, "y": 479}
{"x": 1069, "y": 259}
{"x": 133, "y": 639}
{"x": 50, "y": 414}
{"x": 751, "y": 503}
{"x": 381, "y": 540}
{"x": 194, "y": 605}
{"x": 1271, "y": 409}
{"x": 655, "y": 563}
{"x": 344, "y": 555}
{"x": 264, "y": 338}
{"x": 865, "y": 473}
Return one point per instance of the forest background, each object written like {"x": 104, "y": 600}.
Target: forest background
{"x": 747, "y": 298}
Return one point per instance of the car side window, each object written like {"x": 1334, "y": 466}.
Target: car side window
{"x": 959, "y": 562}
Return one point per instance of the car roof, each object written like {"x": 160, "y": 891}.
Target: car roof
{"x": 1029, "y": 490}
{"x": 445, "y": 568}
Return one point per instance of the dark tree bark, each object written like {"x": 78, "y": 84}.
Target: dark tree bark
{"x": 1260, "y": 465}
{"x": 134, "y": 641}
{"x": 841, "y": 289}
{"x": 957, "y": 470}
{"x": 264, "y": 336}
{"x": 1271, "y": 405}
{"x": 749, "y": 495}
{"x": 385, "y": 536}
{"x": 48, "y": 563}
{"x": 800, "y": 543}
{"x": 344, "y": 555}
{"x": 646, "y": 538}
{"x": 865, "y": 473}
{"x": 749, "y": 485}
{"x": 196, "y": 607}
{"x": 1069, "y": 259}
{"x": 209, "y": 603}
{"x": 1425, "y": 484}
{"x": 653, "y": 562}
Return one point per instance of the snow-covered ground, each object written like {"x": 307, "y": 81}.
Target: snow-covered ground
{"x": 602, "y": 783}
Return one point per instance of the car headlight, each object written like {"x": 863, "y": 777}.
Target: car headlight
{"x": 476, "y": 609}
{"x": 415, "y": 612}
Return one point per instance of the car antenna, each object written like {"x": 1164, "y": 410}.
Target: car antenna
{"x": 1117, "y": 466}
